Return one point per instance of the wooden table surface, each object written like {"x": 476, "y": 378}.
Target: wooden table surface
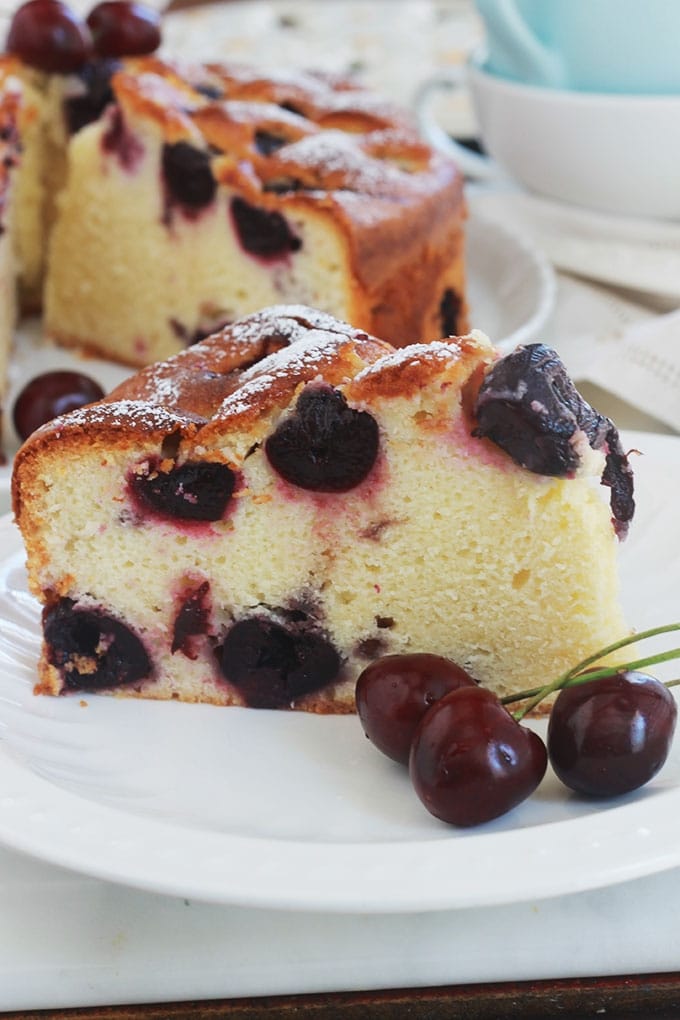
{"x": 616, "y": 998}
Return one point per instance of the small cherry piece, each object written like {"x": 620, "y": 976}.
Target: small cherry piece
{"x": 121, "y": 28}
{"x": 49, "y": 395}
{"x": 48, "y": 35}
{"x": 394, "y": 693}
{"x": 611, "y": 735}
{"x": 471, "y": 761}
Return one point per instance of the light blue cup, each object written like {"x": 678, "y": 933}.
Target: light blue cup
{"x": 616, "y": 46}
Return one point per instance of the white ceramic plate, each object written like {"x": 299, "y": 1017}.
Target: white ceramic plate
{"x": 272, "y": 809}
{"x": 511, "y": 289}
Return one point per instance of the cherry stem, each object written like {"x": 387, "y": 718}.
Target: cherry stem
{"x": 575, "y": 675}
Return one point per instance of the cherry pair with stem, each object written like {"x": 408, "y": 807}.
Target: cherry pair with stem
{"x": 49, "y": 36}
{"x": 471, "y": 760}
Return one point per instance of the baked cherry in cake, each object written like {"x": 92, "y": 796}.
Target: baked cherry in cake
{"x": 529, "y": 407}
{"x": 91, "y": 649}
{"x": 95, "y": 96}
{"x": 273, "y": 665}
{"x": 324, "y": 445}
{"x": 261, "y": 232}
{"x": 192, "y": 620}
{"x": 197, "y": 491}
{"x": 187, "y": 175}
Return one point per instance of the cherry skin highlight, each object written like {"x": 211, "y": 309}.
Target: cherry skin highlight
{"x": 609, "y": 736}
{"x": 47, "y": 35}
{"x": 394, "y": 693}
{"x": 121, "y": 28}
{"x": 52, "y": 394}
{"x": 471, "y": 761}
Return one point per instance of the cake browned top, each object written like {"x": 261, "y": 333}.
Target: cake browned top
{"x": 216, "y": 400}
{"x": 231, "y": 383}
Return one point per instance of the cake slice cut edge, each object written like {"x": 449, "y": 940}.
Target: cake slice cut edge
{"x": 255, "y": 520}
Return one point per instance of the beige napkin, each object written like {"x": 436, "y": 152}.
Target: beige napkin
{"x": 641, "y": 366}
{"x": 641, "y": 256}
{"x": 634, "y": 265}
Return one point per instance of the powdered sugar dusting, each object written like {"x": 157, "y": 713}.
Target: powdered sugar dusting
{"x": 165, "y": 93}
{"x": 140, "y": 414}
{"x": 303, "y": 359}
{"x": 165, "y": 390}
{"x": 414, "y": 354}
{"x": 339, "y": 159}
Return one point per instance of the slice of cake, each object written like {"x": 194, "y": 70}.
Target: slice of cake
{"x": 65, "y": 68}
{"x": 168, "y": 201}
{"x": 201, "y": 196}
{"x": 254, "y": 520}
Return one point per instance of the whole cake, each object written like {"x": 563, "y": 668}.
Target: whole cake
{"x": 254, "y": 520}
{"x": 189, "y": 196}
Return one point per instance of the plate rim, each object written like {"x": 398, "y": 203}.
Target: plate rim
{"x": 545, "y": 279}
{"x": 157, "y": 855}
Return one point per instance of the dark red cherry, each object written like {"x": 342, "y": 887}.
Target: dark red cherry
{"x": 49, "y": 395}
{"x": 46, "y": 34}
{"x": 449, "y": 312}
{"x": 471, "y": 761}
{"x": 324, "y": 445}
{"x": 91, "y": 649}
{"x": 188, "y": 175}
{"x": 121, "y": 28}
{"x": 263, "y": 232}
{"x": 394, "y": 693}
{"x": 193, "y": 491}
{"x": 609, "y": 736}
{"x": 273, "y": 665}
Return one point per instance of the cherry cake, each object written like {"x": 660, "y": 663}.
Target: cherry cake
{"x": 255, "y": 519}
{"x": 161, "y": 202}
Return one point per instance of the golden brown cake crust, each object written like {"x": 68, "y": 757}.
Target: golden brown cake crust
{"x": 232, "y": 381}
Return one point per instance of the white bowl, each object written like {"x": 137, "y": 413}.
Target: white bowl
{"x": 614, "y": 153}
